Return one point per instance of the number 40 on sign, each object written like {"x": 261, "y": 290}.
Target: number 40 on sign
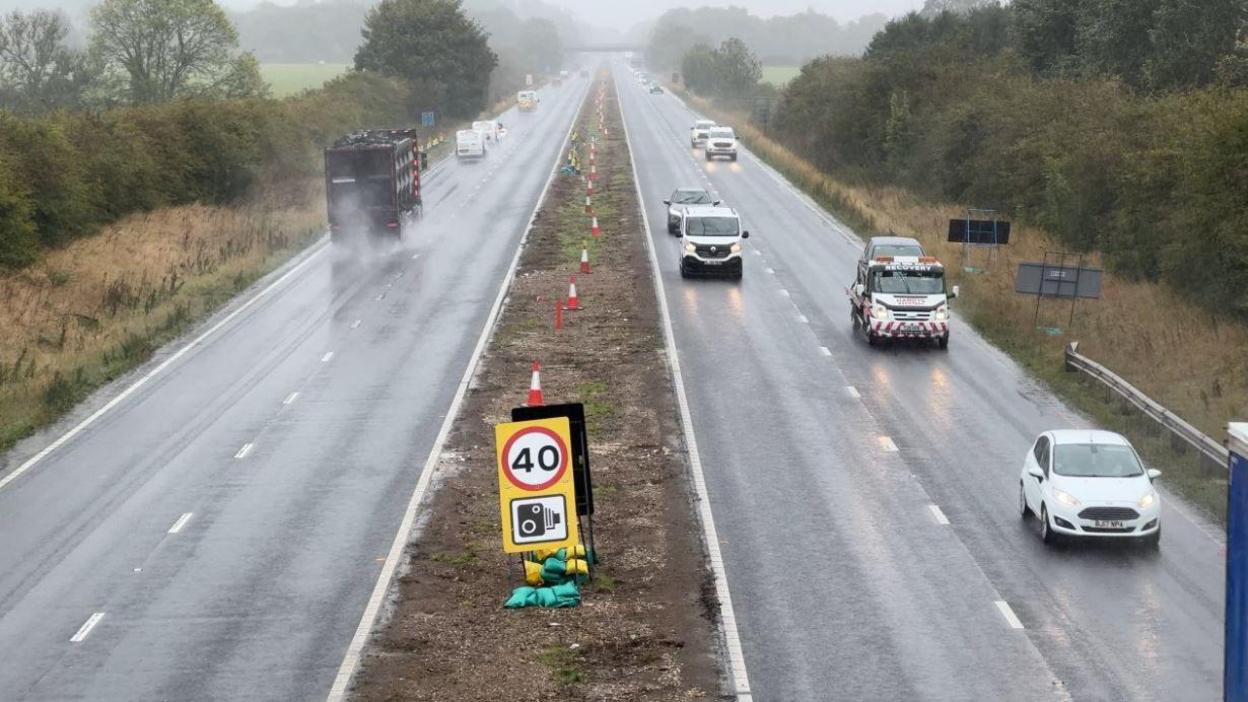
{"x": 536, "y": 495}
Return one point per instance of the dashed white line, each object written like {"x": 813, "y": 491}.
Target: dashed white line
{"x": 785, "y": 293}
{"x": 85, "y": 630}
{"x": 1010, "y": 617}
{"x": 827, "y": 352}
{"x": 803, "y": 319}
{"x": 853, "y": 391}
{"x": 177, "y": 526}
{"x": 381, "y": 297}
{"x": 771, "y": 271}
{"x": 757, "y": 252}
{"x": 887, "y": 444}
{"x": 415, "y": 256}
{"x": 290, "y": 399}
{"x": 938, "y": 514}
{"x": 246, "y": 449}
{"x": 328, "y": 355}
{"x": 356, "y": 324}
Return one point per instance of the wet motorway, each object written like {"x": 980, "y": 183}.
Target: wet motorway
{"x": 865, "y": 499}
{"x": 216, "y": 534}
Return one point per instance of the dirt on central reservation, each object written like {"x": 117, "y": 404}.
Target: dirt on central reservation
{"x": 645, "y": 627}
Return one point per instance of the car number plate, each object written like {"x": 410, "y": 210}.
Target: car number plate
{"x": 910, "y": 326}
{"x": 712, "y": 262}
{"x": 1108, "y": 524}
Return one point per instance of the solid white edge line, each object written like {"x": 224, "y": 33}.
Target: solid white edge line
{"x": 825, "y": 350}
{"x": 351, "y": 660}
{"x": 85, "y": 630}
{"x": 177, "y": 526}
{"x": 727, "y": 617}
{"x": 290, "y": 399}
{"x": 35, "y": 459}
{"x": 887, "y": 444}
{"x": 326, "y": 358}
{"x": 246, "y": 449}
{"x": 1010, "y": 617}
{"x": 853, "y": 392}
{"x": 941, "y": 519}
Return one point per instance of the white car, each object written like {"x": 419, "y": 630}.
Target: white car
{"x": 700, "y": 130}
{"x": 1090, "y": 484}
{"x": 721, "y": 141}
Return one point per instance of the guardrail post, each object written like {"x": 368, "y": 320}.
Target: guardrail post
{"x": 1072, "y": 349}
{"x": 1235, "y": 665}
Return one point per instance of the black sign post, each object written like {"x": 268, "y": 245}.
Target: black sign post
{"x": 991, "y": 233}
{"x": 575, "y": 412}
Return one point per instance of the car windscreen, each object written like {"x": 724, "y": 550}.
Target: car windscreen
{"x": 909, "y": 282}
{"x": 712, "y": 226}
{"x": 1096, "y": 461}
{"x": 897, "y": 250}
{"x": 691, "y": 197}
{"x": 719, "y": 133}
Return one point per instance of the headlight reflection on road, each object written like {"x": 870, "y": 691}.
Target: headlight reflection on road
{"x": 735, "y": 167}
{"x": 712, "y": 167}
{"x": 689, "y": 295}
{"x": 736, "y": 303}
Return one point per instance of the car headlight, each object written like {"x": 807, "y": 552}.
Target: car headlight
{"x": 735, "y": 248}
{"x": 1148, "y": 500}
{"x": 1066, "y": 498}
{"x": 690, "y": 248}
{"x": 942, "y": 313}
{"x": 880, "y": 311}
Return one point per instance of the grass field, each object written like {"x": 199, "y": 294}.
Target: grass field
{"x": 780, "y": 75}
{"x": 292, "y": 78}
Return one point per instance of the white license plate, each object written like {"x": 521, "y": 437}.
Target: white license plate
{"x": 1107, "y": 524}
{"x": 911, "y": 326}
{"x": 713, "y": 262}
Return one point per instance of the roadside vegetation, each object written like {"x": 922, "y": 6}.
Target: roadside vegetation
{"x": 1132, "y": 164}
{"x": 136, "y": 198}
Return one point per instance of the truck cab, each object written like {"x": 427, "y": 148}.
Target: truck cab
{"x": 901, "y": 297}
{"x": 711, "y": 242}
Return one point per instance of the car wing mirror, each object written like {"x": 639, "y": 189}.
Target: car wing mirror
{"x": 860, "y": 288}
{"x": 715, "y": 203}
{"x": 1153, "y": 474}
{"x": 745, "y": 234}
{"x": 667, "y": 202}
{"x": 955, "y": 292}
{"x": 1036, "y": 472}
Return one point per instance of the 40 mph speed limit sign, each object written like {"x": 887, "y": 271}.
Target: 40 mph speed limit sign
{"x": 536, "y": 496}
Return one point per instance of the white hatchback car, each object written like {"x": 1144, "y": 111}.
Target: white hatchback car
{"x": 1089, "y": 483}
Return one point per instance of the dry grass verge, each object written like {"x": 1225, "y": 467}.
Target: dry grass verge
{"x": 93, "y": 310}
{"x": 1190, "y": 360}
{"x": 643, "y": 630}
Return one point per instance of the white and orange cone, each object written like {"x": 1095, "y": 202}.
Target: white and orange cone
{"x": 594, "y": 229}
{"x": 574, "y": 302}
{"x": 584, "y": 259}
{"x": 593, "y": 172}
{"x": 535, "y": 386}
{"x": 589, "y": 205}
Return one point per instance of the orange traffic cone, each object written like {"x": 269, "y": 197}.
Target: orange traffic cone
{"x": 594, "y": 229}
{"x": 584, "y": 259}
{"x": 589, "y": 188}
{"x": 593, "y": 172}
{"x": 574, "y": 302}
{"x": 535, "y": 386}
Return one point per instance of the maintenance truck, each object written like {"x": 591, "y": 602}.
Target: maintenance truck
{"x": 901, "y": 297}
{"x": 372, "y": 182}
{"x": 527, "y": 100}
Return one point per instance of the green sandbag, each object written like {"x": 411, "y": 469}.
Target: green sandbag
{"x": 563, "y": 595}
{"x": 567, "y": 594}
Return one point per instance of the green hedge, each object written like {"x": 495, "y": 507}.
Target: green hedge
{"x": 64, "y": 175}
{"x": 1155, "y": 182}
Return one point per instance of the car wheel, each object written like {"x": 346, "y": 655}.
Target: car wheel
{"x": 684, "y": 272}
{"x": 1047, "y": 535}
{"x": 942, "y": 343}
{"x": 872, "y": 339}
{"x": 1023, "y": 509}
{"x": 734, "y": 158}
{"x": 853, "y": 317}
{"x": 709, "y": 157}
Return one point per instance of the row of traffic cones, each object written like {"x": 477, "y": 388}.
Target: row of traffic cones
{"x": 573, "y": 302}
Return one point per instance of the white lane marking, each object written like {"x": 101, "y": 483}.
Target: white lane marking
{"x": 1010, "y": 617}
{"x": 938, "y": 514}
{"x": 757, "y": 252}
{"x": 35, "y": 459}
{"x": 177, "y": 526}
{"x": 246, "y": 449}
{"x": 351, "y": 659}
{"x": 381, "y": 297}
{"x": 786, "y": 293}
{"x": 415, "y": 256}
{"x": 853, "y": 392}
{"x": 727, "y": 617}
{"x": 85, "y": 630}
{"x": 356, "y": 324}
{"x": 328, "y": 355}
{"x": 803, "y": 319}
{"x": 887, "y": 444}
{"x": 771, "y": 271}
{"x": 290, "y": 399}
{"x": 826, "y": 351}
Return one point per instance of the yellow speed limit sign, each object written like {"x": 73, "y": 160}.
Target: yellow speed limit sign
{"x": 536, "y": 496}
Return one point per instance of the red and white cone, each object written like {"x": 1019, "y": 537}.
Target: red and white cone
{"x": 574, "y": 302}
{"x": 589, "y": 205}
{"x": 584, "y": 259}
{"x": 593, "y": 172}
{"x": 589, "y": 188}
{"x": 535, "y": 386}
{"x": 594, "y": 229}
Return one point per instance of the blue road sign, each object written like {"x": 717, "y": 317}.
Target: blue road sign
{"x": 426, "y": 119}
{"x": 1235, "y": 666}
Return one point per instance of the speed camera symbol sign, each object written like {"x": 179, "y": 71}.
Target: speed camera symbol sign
{"x": 539, "y": 519}
{"x": 535, "y": 459}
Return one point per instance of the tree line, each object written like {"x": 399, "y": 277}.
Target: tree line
{"x": 1117, "y": 129}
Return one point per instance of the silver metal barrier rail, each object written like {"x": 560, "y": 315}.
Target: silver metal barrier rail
{"x": 1150, "y": 407}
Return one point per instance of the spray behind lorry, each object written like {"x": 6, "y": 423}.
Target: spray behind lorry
{"x": 372, "y": 181}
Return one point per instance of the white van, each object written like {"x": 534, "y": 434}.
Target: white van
{"x": 712, "y": 242}
{"x": 487, "y": 127}
{"x": 469, "y": 143}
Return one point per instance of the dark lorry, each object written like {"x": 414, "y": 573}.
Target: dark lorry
{"x": 372, "y": 181}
